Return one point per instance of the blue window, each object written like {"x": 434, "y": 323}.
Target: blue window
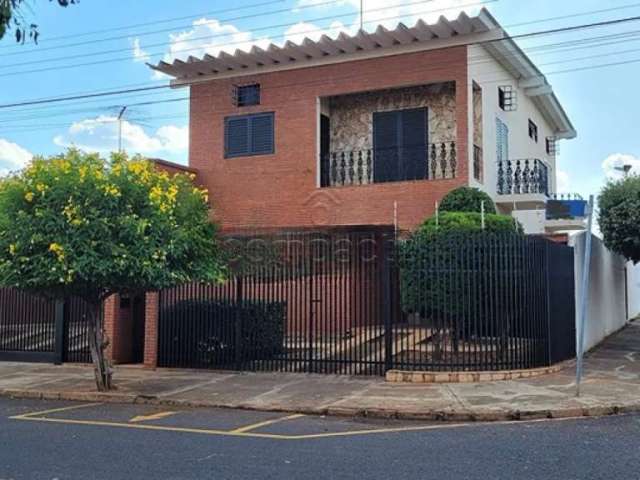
{"x": 247, "y": 95}
{"x": 246, "y": 135}
{"x": 502, "y": 141}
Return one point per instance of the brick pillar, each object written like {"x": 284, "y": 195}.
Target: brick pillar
{"x": 111, "y": 308}
{"x": 151, "y": 330}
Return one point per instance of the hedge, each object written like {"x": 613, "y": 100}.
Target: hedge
{"x": 467, "y": 199}
{"x": 202, "y": 333}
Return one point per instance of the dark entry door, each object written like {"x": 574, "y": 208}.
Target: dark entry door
{"x": 400, "y": 145}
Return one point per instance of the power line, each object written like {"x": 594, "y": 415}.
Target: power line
{"x": 172, "y": 29}
{"x": 120, "y": 59}
{"x": 158, "y": 87}
{"x": 155, "y": 22}
{"x": 240, "y": 42}
{"x": 540, "y": 50}
{"x": 147, "y": 83}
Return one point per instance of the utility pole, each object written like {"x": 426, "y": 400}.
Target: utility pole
{"x": 582, "y": 318}
{"x": 361, "y": 14}
{"x": 122, "y": 110}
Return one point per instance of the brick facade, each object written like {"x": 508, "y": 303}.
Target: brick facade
{"x": 151, "y": 330}
{"x": 281, "y": 189}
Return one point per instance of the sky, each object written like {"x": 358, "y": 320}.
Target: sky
{"x": 100, "y": 45}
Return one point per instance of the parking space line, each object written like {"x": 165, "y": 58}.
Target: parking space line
{"x": 53, "y": 410}
{"x": 254, "y": 426}
{"x": 247, "y": 431}
{"x": 153, "y": 416}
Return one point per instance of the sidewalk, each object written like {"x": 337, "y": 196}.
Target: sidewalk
{"x": 612, "y": 385}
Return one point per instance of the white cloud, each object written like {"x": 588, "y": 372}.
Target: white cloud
{"x": 12, "y": 156}
{"x": 209, "y": 36}
{"x": 139, "y": 55}
{"x": 101, "y": 134}
{"x": 619, "y": 160}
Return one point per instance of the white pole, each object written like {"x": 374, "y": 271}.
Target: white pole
{"x": 582, "y": 317}
{"x": 437, "y": 215}
{"x": 482, "y": 214}
{"x": 361, "y": 14}
{"x": 395, "y": 217}
{"x": 120, "y": 128}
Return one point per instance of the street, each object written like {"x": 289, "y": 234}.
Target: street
{"x": 66, "y": 440}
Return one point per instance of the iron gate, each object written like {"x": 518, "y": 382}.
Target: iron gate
{"x": 363, "y": 301}
{"x": 33, "y": 329}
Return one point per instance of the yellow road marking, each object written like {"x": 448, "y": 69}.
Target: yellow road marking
{"x": 53, "y": 410}
{"x": 249, "y": 434}
{"x": 153, "y": 416}
{"x": 255, "y": 426}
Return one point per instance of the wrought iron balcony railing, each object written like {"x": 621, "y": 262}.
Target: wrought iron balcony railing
{"x": 397, "y": 164}
{"x": 519, "y": 177}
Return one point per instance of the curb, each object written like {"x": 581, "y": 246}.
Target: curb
{"x": 468, "y": 415}
{"x": 418, "y": 376}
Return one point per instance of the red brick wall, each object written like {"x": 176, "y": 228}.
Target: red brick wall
{"x": 111, "y": 323}
{"x": 151, "y": 330}
{"x": 281, "y": 189}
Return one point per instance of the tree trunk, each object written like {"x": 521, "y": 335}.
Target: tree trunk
{"x": 97, "y": 345}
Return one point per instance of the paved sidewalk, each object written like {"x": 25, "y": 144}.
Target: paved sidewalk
{"x": 612, "y": 385}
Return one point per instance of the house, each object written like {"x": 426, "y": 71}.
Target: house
{"x": 375, "y": 128}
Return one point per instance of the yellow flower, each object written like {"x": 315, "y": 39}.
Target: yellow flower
{"x": 28, "y": 196}
{"x": 111, "y": 190}
{"x": 41, "y": 187}
{"x": 12, "y": 249}
{"x": 155, "y": 195}
{"x": 58, "y": 250}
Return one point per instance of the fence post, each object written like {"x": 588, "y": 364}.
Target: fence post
{"x": 59, "y": 331}
{"x": 547, "y": 281}
{"x": 387, "y": 307}
{"x": 238, "y": 322}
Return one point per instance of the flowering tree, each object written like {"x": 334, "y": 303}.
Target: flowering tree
{"x": 77, "y": 225}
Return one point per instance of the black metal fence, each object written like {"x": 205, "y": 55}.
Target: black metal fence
{"x": 364, "y": 302}
{"x": 39, "y": 330}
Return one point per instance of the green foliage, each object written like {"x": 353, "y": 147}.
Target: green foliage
{"x": 76, "y": 225}
{"x": 205, "y": 330}
{"x": 447, "y": 279}
{"x": 468, "y": 222}
{"x": 11, "y": 15}
{"x": 619, "y": 217}
{"x": 467, "y": 199}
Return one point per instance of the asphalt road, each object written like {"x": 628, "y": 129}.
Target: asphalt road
{"x": 64, "y": 440}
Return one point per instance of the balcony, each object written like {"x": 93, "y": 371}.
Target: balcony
{"x": 355, "y": 167}
{"x": 523, "y": 183}
{"x": 565, "y": 212}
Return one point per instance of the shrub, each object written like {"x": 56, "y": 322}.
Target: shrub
{"x": 468, "y": 222}
{"x": 619, "y": 217}
{"x": 204, "y": 331}
{"x": 467, "y": 199}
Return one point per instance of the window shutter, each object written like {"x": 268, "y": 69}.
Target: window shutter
{"x": 414, "y": 144}
{"x": 262, "y": 134}
{"x": 386, "y": 140}
{"x": 236, "y": 136}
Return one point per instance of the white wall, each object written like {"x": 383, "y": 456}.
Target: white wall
{"x": 489, "y": 75}
{"x": 531, "y": 220}
{"x": 633, "y": 289}
{"x": 606, "y": 309}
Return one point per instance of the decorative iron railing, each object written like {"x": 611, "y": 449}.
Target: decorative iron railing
{"x": 518, "y": 177}
{"x": 365, "y": 166}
